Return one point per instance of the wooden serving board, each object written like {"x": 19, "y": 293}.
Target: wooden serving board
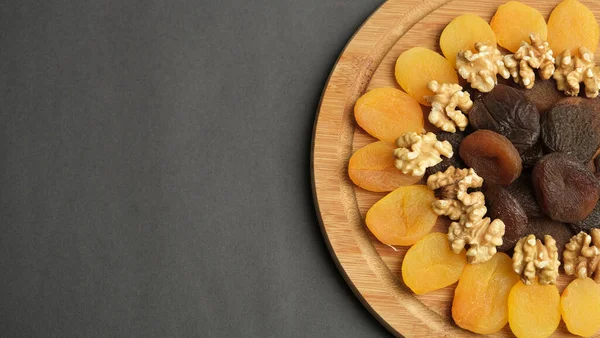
{"x": 372, "y": 269}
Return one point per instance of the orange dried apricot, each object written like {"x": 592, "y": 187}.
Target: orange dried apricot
{"x": 580, "y": 307}
{"x": 514, "y": 21}
{"x": 533, "y": 310}
{"x": 403, "y": 216}
{"x": 418, "y": 66}
{"x": 372, "y": 168}
{"x": 430, "y": 264}
{"x": 388, "y": 113}
{"x": 572, "y": 25}
{"x": 481, "y": 298}
{"x": 462, "y": 33}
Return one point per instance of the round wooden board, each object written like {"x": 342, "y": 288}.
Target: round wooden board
{"x": 371, "y": 268}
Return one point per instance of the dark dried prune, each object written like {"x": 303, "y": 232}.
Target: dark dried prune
{"x": 455, "y": 139}
{"x": 544, "y": 94}
{"x": 572, "y": 126}
{"x": 565, "y": 188}
{"x": 492, "y": 156}
{"x": 545, "y": 226}
{"x": 503, "y": 205}
{"x": 509, "y": 112}
{"x": 522, "y": 190}
{"x": 590, "y": 222}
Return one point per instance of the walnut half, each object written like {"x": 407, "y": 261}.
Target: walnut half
{"x": 528, "y": 57}
{"x": 571, "y": 70}
{"x": 415, "y": 152}
{"x": 448, "y": 106}
{"x": 480, "y": 69}
{"x": 582, "y": 255}
{"x": 531, "y": 258}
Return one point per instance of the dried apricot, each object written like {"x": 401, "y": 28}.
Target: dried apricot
{"x": 462, "y": 33}
{"x": 514, "y": 21}
{"x": 565, "y": 188}
{"x": 431, "y": 264}
{"x": 543, "y": 94}
{"x": 580, "y": 307}
{"x": 533, "y": 310}
{"x": 492, "y": 156}
{"x": 388, "y": 113}
{"x": 590, "y": 222}
{"x": 403, "y": 216}
{"x": 572, "y": 25}
{"x": 480, "y": 300}
{"x": 522, "y": 190}
{"x": 372, "y": 168}
{"x": 418, "y": 66}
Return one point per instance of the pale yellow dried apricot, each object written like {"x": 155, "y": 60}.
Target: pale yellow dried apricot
{"x": 431, "y": 264}
{"x": 481, "y": 298}
{"x": 462, "y": 33}
{"x": 533, "y": 310}
{"x": 403, "y": 216}
{"x": 580, "y": 307}
{"x": 388, "y": 113}
{"x": 514, "y": 21}
{"x": 373, "y": 168}
{"x": 418, "y": 66}
{"x": 572, "y": 25}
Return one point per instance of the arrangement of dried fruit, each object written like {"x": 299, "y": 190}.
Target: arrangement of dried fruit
{"x": 514, "y": 167}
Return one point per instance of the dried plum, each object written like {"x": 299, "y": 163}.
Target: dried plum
{"x": 572, "y": 126}
{"x": 455, "y": 139}
{"x": 522, "y": 190}
{"x": 565, "y": 188}
{"x": 507, "y": 111}
{"x": 541, "y": 226}
{"x": 492, "y": 156}
{"x": 503, "y": 205}
{"x": 590, "y": 222}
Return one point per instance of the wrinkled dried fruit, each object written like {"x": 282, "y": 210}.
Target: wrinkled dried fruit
{"x": 455, "y": 139}
{"x": 514, "y": 21}
{"x": 372, "y": 168}
{"x": 462, "y": 33}
{"x": 418, "y": 66}
{"x": 572, "y": 25}
{"x": 430, "y": 264}
{"x": 543, "y": 94}
{"x": 388, "y": 113}
{"x": 492, "y": 156}
{"x": 503, "y": 205}
{"x": 566, "y": 189}
{"x": 530, "y": 156}
{"x": 533, "y": 310}
{"x": 542, "y": 226}
{"x": 580, "y": 307}
{"x": 522, "y": 190}
{"x": 590, "y": 222}
{"x": 490, "y": 281}
{"x": 403, "y": 216}
{"x": 508, "y": 112}
{"x": 572, "y": 126}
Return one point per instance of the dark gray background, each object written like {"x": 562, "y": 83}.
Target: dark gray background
{"x": 154, "y": 176}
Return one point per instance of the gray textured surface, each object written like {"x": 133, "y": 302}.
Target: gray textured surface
{"x": 154, "y": 177}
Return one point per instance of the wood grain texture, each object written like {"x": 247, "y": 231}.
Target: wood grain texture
{"x": 372, "y": 269}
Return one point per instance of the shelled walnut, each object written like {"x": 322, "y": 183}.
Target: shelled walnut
{"x": 532, "y": 258}
{"x": 467, "y": 208}
{"x": 448, "y": 106}
{"x": 571, "y": 70}
{"x": 582, "y": 255}
{"x": 415, "y": 152}
{"x": 528, "y": 57}
{"x": 480, "y": 69}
